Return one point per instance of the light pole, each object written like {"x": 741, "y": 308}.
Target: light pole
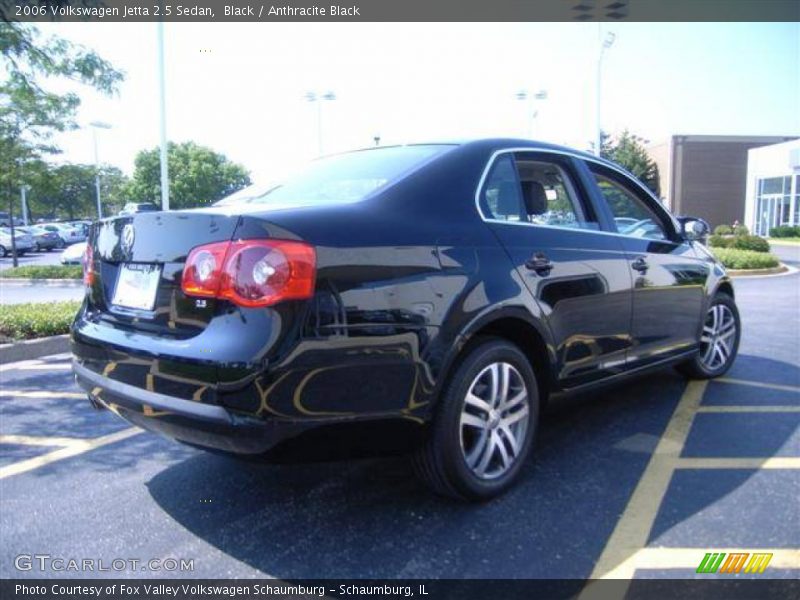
{"x": 163, "y": 125}
{"x": 604, "y": 44}
{"x": 541, "y": 95}
{"x": 22, "y": 190}
{"x": 318, "y": 98}
{"x": 95, "y": 125}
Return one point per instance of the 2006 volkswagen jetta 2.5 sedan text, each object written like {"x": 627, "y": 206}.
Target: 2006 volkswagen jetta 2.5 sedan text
{"x": 426, "y": 298}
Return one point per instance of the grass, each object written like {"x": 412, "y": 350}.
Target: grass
{"x": 35, "y": 320}
{"x": 44, "y": 272}
{"x": 745, "y": 259}
{"x": 794, "y": 241}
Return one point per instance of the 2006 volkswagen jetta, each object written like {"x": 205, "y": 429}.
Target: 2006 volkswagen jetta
{"x": 430, "y": 295}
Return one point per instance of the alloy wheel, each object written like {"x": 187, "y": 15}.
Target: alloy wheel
{"x": 718, "y": 338}
{"x": 494, "y": 420}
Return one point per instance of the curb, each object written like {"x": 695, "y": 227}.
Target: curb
{"x": 781, "y": 270}
{"x": 27, "y": 349}
{"x": 41, "y": 282}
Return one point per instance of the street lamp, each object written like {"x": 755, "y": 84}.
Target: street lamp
{"x": 95, "y": 125}
{"x": 318, "y": 98}
{"x": 541, "y": 95}
{"x": 605, "y": 44}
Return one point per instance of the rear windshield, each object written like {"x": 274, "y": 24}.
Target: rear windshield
{"x": 350, "y": 177}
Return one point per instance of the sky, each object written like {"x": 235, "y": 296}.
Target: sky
{"x": 240, "y": 88}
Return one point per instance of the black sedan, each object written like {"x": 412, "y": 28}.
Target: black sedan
{"x": 428, "y": 298}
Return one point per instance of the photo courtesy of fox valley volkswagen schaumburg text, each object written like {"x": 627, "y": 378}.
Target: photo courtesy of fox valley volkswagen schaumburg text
{"x": 395, "y": 299}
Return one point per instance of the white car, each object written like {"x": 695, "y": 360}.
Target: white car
{"x": 68, "y": 234}
{"x": 73, "y": 255}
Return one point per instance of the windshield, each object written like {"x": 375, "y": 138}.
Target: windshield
{"x": 346, "y": 178}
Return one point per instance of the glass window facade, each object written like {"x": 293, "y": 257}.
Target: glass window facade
{"x": 777, "y": 203}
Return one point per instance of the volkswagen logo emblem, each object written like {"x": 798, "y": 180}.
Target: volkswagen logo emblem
{"x": 128, "y": 236}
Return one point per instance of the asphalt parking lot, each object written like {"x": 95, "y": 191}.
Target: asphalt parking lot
{"x": 638, "y": 481}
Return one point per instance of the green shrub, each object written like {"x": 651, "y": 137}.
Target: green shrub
{"x": 751, "y": 242}
{"x": 44, "y": 272}
{"x": 745, "y": 259}
{"x": 741, "y": 230}
{"x": 740, "y": 242}
{"x": 785, "y": 231}
{"x": 723, "y": 230}
{"x": 27, "y": 321}
{"x": 718, "y": 241}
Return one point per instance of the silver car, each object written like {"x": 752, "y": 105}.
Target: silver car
{"x": 23, "y": 241}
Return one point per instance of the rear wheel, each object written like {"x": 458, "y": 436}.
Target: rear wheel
{"x": 3, "y": 252}
{"x": 485, "y": 424}
{"x": 60, "y": 243}
{"x": 719, "y": 341}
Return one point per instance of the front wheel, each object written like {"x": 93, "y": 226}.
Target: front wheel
{"x": 485, "y": 424}
{"x": 719, "y": 341}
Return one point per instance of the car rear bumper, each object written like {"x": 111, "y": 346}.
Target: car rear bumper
{"x": 188, "y": 421}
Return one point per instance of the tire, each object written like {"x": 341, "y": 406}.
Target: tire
{"x": 38, "y": 247}
{"x": 453, "y": 459}
{"x": 719, "y": 341}
{"x": 60, "y": 244}
{"x": 3, "y": 252}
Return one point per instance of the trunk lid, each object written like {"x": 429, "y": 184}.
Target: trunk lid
{"x": 155, "y": 244}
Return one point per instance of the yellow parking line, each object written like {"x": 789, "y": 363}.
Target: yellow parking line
{"x": 73, "y": 449}
{"x": 748, "y": 409}
{"x": 689, "y": 558}
{"x": 771, "y": 386}
{"x": 633, "y": 528}
{"x": 40, "y": 394}
{"x": 35, "y": 440}
{"x": 773, "y": 462}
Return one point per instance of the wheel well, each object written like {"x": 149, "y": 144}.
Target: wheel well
{"x": 527, "y": 338}
{"x": 726, "y": 288}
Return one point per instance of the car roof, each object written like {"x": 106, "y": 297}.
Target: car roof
{"x": 501, "y": 143}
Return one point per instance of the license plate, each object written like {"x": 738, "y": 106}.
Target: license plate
{"x": 137, "y": 285}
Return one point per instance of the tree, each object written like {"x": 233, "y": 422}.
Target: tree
{"x": 31, "y": 114}
{"x": 198, "y": 176}
{"x": 68, "y": 191}
{"x": 628, "y": 151}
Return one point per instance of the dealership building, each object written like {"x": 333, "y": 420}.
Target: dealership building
{"x": 773, "y": 187}
{"x": 706, "y": 176}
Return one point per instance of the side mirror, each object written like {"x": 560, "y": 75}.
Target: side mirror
{"x": 694, "y": 229}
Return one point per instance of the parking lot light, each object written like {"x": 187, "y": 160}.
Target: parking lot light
{"x": 95, "y": 125}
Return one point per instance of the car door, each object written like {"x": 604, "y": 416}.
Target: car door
{"x": 537, "y": 207}
{"x": 669, "y": 278}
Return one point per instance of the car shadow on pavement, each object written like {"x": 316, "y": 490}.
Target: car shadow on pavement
{"x": 371, "y": 518}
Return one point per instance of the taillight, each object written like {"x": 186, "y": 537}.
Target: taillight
{"x": 88, "y": 266}
{"x": 251, "y": 272}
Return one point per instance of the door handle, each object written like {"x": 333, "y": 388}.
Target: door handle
{"x": 539, "y": 264}
{"x": 640, "y": 264}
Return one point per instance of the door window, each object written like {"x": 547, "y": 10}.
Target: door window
{"x": 631, "y": 214}
{"x": 529, "y": 190}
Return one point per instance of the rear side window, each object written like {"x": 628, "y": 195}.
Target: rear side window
{"x": 502, "y": 196}
{"x": 350, "y": 177}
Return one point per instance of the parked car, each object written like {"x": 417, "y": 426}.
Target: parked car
{"x": 66, "y": 233}
{"x": 43, "y": 240}
{"x": 22, "y": 240}
{"x": 5, "y": 220}
{"x": 73, "y": 255}
{"x": 132, "y": 208}
{"x": 398, "y": 298}
{"x": 82, "y": 226}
